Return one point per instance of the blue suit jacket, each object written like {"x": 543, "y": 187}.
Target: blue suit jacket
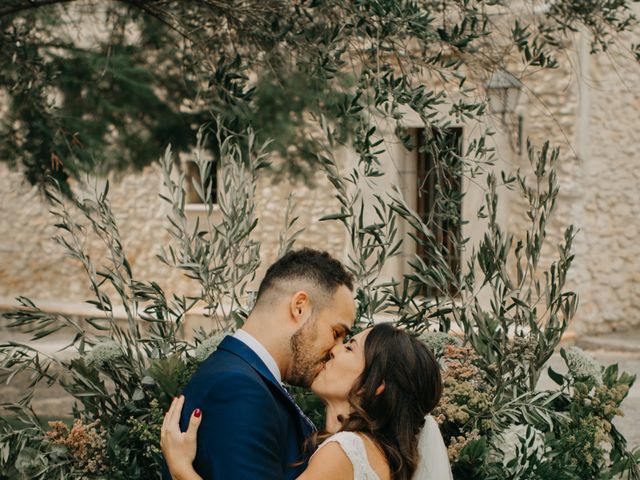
{"x": 251, "y": 429}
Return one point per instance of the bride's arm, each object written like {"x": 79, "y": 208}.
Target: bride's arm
{"x": 178, "y": 448}
{"x": 328, "y": 462}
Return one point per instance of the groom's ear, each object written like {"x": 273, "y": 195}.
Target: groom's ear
{"x": 299, "y": 307}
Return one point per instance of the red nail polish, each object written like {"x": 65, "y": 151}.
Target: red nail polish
{"x": 197, "y": 413}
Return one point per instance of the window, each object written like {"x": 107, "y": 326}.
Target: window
{"x": 439, "y": 198}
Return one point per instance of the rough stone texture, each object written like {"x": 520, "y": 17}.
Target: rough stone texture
{"x": 549, "y": 109}
{"x": 591, "y": 110}
{"x": 309, "y": 205}
{"x": 611, "y": 197}
{"x": 588, "y": 107}
{"x": 33, "y": 265}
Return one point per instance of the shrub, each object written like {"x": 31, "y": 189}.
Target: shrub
{"x": 495, "y": 423}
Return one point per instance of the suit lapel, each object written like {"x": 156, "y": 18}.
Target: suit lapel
{"x": 240, "y": 349}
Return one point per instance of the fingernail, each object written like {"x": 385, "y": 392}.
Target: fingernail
{"x": 197, "y": 413}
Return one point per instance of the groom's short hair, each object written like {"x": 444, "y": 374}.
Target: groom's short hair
{"x": 314, "y": 267}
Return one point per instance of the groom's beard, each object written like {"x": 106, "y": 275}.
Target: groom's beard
{"x": 305, "y": 364}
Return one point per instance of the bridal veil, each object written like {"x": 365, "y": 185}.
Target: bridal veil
{"x": 434, "y": 459}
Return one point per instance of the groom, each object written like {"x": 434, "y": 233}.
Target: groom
{"x": 251, "y": 428}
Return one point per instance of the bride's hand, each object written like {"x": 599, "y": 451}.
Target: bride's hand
{"x": 178, "y": 448}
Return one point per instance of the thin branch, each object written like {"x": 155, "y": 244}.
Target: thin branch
{"x": 23, "y": 5}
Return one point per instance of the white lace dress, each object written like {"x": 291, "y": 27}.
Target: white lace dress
{"x": 434, "y": 459}
{"x": 353, "y": 446}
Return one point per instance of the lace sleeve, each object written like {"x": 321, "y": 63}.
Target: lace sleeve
{"x": 353, "y": 446}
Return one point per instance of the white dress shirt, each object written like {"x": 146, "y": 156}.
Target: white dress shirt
{"x": 262, "y": 352}
{"x": 272, "y": 366}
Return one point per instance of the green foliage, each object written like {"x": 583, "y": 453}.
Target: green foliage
{"x": 371, "y": 243}
{"x": 221, "y": 256}
{"x": 122, "y": 373}
{"x": 313, "y": 77}
{"x": 90, "y": 105}
{"x": 566, "y": 433}
{"x": 151, "y": 72}
{"x": 529, "y": 307}
{"x": 464, "y": 412}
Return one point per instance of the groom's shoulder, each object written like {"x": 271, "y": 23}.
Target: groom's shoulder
{"x": 229, "y": 385}
{"x": 223, "y": 363}
{"x": 223, "y": 369}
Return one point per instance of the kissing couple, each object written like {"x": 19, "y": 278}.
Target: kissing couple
{"x": 236, "y": 421}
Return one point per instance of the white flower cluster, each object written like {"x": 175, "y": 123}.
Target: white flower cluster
{"x": 103, "y": 353}
{"x": 582, "y": 366}
{"x": 437, "y": 341}
{"x": 208, "y": 346}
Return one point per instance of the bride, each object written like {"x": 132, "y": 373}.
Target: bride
{"x": 377, "y": 388}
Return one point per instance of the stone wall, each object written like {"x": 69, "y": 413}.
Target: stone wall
{"x": 611, "y": 197}
{"x": 549, "y": 107}
{"x": 33, "y": 265}
{"x": 309, "y": 204}
{"x": 590, "y": 108}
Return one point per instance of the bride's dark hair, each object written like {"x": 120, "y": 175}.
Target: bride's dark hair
{"x": 412, "y": 388}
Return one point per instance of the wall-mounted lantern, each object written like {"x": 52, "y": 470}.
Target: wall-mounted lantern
{"x": 503, "y": 91}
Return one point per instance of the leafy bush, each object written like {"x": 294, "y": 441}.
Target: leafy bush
{"x": 123, "y": 374}
{"x": 579, "y": 441}
{"x": 496, "y": 424}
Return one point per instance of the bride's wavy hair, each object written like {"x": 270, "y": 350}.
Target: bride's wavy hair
{"x": 394, "y": 417}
